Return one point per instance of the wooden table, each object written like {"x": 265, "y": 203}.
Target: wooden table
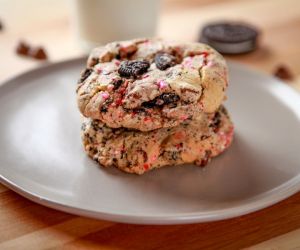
{"x": 26, "y": 225}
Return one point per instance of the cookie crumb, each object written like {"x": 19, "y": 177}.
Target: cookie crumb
{"x": 282, "y": 72}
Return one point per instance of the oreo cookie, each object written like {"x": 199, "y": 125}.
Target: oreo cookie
{"x": 230, "y": 38}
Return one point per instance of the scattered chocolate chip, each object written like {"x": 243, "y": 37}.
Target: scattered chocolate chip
{"x": 230, "y": 38}
{"x": 164, "y": 61}
{"x": 133, "y": 68}
{"x": 22, "y": 49}
{"x": 26, "y": 50}
{"x": 283, "y": 73}
{"x": 38, "y": 53}
{"x": 84, "y": 75}
{"x": 1, "y": 26}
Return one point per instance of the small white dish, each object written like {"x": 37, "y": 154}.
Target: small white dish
{"x": 42, "y": 157}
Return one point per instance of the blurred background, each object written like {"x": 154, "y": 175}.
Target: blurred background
{"x": 63, "y": 28}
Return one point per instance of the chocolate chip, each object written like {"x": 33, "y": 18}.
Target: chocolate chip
{"x": 117, "y": 83}
{"x": 105, "y": 105}
{"x": 169, "y": 98}
{"x": 83, "y": 126}
{"x": 22, "y": 48}
{"x": 216, "y": 121}
{"x": 205, "y": 159}
{"x": 174, "y": 155}
{"x": 38, "y": 53}
{"x": 283, "y": 73}
{"x": 204, "y": 137}
{"x": 149, "y": 104}
{"x": 164, "y": 61}
{"x": 1, "y": 26}
{"x": 166, "y": 98}
{"x": 84, "y": 75}
{"x": 133, "y": 68}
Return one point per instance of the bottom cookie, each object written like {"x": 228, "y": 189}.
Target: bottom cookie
{"x": 194, "y": 141}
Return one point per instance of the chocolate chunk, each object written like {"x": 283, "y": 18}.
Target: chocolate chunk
{"x": 38, "y": 53}
{"x": 105, "y": 105}
{"x": 149, "y": 104}
{"x": 169, "y": 98}
{"x": 205, "y": 160}
{"x": 84, "y": 75}
{"x": 1, "y": 26}
{"x": 216, "y": 122}
{"x": 283, "y": 73}
{"x": 22, "y": 48}
{"x": 133, "y": 68}
{"x": 230, "y": 38}
{"x": 164, "y": 61}
{"x": 166, "y": 98}
{"x": 117, "y": 83}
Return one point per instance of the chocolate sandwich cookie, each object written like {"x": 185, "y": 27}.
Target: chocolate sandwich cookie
{"x": 147, "y": 84}
{"x": 193, "y": 141}
{"x": 230, "y": 38}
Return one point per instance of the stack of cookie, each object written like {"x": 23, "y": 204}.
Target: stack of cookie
{"x": 147, "y": 103}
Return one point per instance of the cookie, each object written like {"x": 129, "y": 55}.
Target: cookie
{"x": 147, "y": 84}
{"x": 193, "y": 141}
{"x": 230, "y": 38}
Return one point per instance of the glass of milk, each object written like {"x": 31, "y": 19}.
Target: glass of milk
{"x": 101, "y": 21}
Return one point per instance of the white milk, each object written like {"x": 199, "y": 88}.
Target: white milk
{"x": 102, "y": 21}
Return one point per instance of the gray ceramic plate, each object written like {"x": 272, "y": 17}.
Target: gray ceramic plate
{"x": 42, "y": 157}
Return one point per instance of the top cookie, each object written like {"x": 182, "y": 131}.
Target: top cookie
{"x": 147, "y": 84}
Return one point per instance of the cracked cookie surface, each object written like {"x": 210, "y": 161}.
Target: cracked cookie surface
{"x": 147, "y": 84}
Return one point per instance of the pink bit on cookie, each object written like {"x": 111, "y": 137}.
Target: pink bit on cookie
{"x": 179, "y": 145}
{"x": 226, "y": 137}
{"x": 146, "y": 166}
{"x": 110, "y": 87}
{"x": 205, "y": 54}
{"x": 188, "y": 62}
{"x": 105, "y": 95}
{"x": 210, "y": 64}
{"x": 162, "y": 84}
{"x": 179, "y": 135}
{"x": 184, "y": 117}
{"x": 147, "y": 119}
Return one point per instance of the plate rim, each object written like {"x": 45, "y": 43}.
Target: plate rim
{"x": 275, "y": 195}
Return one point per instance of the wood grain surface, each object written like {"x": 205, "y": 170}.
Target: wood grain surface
{"x": 26, "y": 225}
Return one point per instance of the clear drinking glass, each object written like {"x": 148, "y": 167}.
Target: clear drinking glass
{"x": 102, "y": 21}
